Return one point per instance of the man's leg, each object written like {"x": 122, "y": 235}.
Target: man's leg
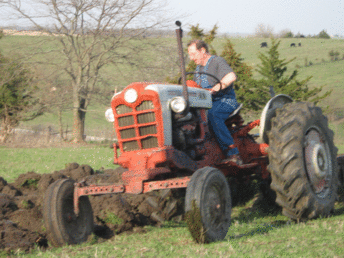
{"x": 217, "y": 116}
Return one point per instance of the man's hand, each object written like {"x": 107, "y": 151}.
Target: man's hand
{"x": 225, "y": 81}
{"x": 217, "y": 87}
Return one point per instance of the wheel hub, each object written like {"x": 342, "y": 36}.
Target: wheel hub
{"x": 215, "y": 207}
{"x": 317, "y": 161}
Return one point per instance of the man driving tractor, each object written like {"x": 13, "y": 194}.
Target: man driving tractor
{"x": 224, "y": 99}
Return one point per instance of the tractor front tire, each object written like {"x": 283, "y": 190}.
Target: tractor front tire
{"x": 302, "y": 161}
{"x": 62, "y": 224}
{"x": 208, "y": 205}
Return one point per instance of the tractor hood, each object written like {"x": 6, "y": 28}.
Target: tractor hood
{"x": 198, "y": 98}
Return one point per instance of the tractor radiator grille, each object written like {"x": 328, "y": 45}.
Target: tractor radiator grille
{"x": 135, "y": 122}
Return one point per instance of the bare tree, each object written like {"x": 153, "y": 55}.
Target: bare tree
{"x": 56, "y": 96}
{"x": 264, "y": 31}
{"x": 92, "y": 34}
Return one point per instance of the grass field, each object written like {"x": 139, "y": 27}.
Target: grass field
{"x": 161, "y": 60}
{"x": 268, "y": 237}
{"x": 255, "y": 231}
{"x": 16, "y": 161}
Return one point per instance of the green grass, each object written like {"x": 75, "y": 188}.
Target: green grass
{"x": 16, "y": 161}
{"x": 338, "y": 129}
{"x": 259, "y": 236}
{"x": 256, "y": 230}
{"x": 113, "y": 219}
{"x": 340, "y": 149}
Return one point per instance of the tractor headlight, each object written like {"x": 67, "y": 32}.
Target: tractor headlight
{"x": 178, "y": 104}
{"x": 109, "y": 115}
{"x": 130, "y": 96}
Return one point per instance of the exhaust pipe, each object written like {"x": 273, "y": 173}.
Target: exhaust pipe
{"x": 179, "y": 33}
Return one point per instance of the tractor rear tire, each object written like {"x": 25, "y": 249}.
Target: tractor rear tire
{"x": 340, "y": 161}
{"x": 302, "y": 161}
{"x": 208, "y": 205}
{"x": 63, "y": 226}
{"x": 268, "y": 194}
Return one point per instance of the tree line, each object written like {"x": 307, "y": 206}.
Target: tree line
{"x": 267, "y": 31}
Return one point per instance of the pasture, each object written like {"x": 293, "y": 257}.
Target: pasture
{"x": 258, "y": 236}
{"x": 161, "y": 60}
{"x": 257, "y": 230}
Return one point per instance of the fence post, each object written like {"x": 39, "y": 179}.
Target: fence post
{"x": 48, "y": 134}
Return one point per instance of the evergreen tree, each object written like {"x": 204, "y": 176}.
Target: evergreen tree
{"x": 289, "y": 34}
{"x": 17, "y": 100}
{"x": 248, "y": 91}
{"x": 197, "y": 33}
{"x": 209, "y": 38}
{"x": 273, "y": 70}
{"x": 323, "y": 35}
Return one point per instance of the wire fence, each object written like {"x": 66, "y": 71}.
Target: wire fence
{"x": 46, "y": 136}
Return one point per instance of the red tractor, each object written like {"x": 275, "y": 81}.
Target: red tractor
{"x": 165, "y": 143}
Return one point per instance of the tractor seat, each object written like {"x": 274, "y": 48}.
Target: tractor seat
{"x": 235, "y": 112}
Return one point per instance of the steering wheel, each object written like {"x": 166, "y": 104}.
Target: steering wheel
{"x": 208, "y": 74}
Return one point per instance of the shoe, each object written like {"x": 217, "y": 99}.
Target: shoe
{"x": 234, "y": 159}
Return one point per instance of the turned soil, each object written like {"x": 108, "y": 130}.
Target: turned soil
{"x": 21, "y": 221}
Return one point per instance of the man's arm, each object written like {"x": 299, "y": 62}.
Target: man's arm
{"x": 227, "y": 80}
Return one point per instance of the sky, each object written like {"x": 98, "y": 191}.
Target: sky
{"x": 308, "y": 17}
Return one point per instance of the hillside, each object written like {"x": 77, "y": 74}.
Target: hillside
{"x": 161, "y": 60}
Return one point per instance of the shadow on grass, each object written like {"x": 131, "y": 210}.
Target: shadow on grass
{"x": 259, "y": 208}
{"x": 263, "y": 229}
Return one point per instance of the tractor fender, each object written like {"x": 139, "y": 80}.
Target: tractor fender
{"x": 269, "y": 112}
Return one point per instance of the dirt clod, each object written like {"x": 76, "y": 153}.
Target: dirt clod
{"x": 3, "y": 183}
{"x": 21, "y": 220}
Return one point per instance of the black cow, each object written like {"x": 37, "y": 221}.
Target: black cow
{"x": 299, "y": 44}
{"x": 264, "y": 44}
{"x": 292, "y": 44}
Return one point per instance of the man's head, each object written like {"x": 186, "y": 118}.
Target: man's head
{"x": 198, "y": 51}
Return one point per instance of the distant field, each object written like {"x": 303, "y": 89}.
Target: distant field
{"x": 16, "y": 161}
{"x": 161, "y": 60}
